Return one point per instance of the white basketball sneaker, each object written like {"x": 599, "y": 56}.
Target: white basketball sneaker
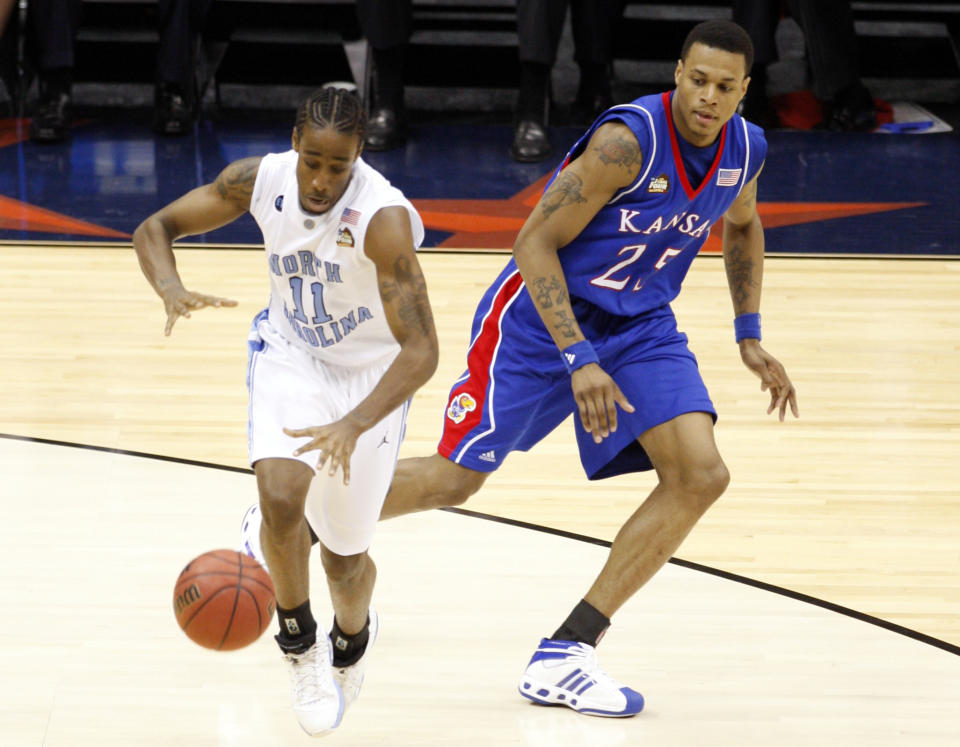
{"x": 567, "y": 673}
{"x": 350, "y": 678}
{"x": 250, "y": 535}
{"x": 316, "y": 697}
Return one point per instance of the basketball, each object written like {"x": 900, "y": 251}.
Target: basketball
{"x": 223, "y": 600}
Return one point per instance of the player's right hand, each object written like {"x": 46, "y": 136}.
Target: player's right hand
{"x": 597, "y": 396}
{"x": 180, "y": 302}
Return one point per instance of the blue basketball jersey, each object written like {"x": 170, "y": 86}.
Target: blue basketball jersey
{"x": 632, "y": 257}
{"x": 623, "y": 270}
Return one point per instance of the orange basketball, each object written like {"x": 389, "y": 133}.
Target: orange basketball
{"x": 223, "y": 600}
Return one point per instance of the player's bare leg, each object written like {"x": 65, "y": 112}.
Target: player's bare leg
{"x": 284, "y": 535}
{"x": 351, "y": 579}
{"x": 692, "y": 476}
{"x": 285, "y": 539}
{"x": 422, "y": 483}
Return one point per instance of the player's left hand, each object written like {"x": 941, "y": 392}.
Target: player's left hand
{"x": 335, "y": 442}
{"x": 772, "y": 375}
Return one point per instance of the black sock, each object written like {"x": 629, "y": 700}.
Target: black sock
{"x": 347, "y": 649}
{"x": 586, "y": 624}
{"x": 298, "y": 629}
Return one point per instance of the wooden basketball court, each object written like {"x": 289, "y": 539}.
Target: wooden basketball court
{"x": 818, "y": 605}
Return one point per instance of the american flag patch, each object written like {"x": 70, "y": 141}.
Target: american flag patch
{"x": 728, "y": 177}
{"x": 353, "y": 216}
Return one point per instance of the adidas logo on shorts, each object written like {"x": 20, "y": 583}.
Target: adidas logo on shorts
{"x": 488, "y": 456}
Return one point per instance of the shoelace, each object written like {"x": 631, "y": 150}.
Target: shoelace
{"x": 305, "y": 676}
{"x": 590, "y": 665}
{"x": 350, "y": 684}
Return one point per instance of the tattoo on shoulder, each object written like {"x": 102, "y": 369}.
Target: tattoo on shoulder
{"x": 564, "y": 191}
{"x": 235, "y": 182}
{"x": 408, "y": 292}
{"x": 619, "y": 151}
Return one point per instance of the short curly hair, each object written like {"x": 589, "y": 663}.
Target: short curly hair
{"x": 725, "y": 35}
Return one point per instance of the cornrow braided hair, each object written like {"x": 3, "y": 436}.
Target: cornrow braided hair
{"x": 333, "y": 107}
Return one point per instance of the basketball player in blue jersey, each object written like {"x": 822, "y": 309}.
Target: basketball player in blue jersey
{"x": 580, "y": 322}
{"x": 346, "y": 340}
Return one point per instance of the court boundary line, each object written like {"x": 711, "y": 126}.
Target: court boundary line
{"x": 445, "y": 250}
{"x": 690, "y": 565}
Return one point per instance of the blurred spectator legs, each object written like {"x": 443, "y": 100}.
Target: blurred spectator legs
{"x": 539, "y": 27}
{"x": 176, "y": 94}
{"x": 831, "y": 50}
{"x": 387, "y": 25}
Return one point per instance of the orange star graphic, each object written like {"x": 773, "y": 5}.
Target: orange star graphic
{"x": 19, "y": 216}
{"x": 493, "y": 224}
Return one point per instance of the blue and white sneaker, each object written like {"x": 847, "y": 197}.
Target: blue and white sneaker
{"x": 567, "y": 673}
{"x": 250, "y": 535}
{"x": 350, "y": 679}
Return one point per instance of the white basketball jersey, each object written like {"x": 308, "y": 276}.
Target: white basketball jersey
{"x": 324, "y": 295}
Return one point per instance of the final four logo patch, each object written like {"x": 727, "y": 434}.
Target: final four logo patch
{"x": 659, "y": 184}
{"x": 344, "y": 237}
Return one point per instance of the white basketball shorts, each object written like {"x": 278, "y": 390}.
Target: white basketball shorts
{"x": 291, "y": 389}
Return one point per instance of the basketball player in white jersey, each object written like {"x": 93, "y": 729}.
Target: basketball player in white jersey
{"x": 346, "y": 340}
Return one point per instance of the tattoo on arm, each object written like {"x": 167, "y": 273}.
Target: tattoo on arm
{"x": 565, "y": 191}
{"x": 748, "y": 202}
{"x": 565, "y": 324}
{"x": 740, "y": 270}
{"x": 549, "y": 292}
{"x": 619, "y": 151}
{"x": 235, "y": 182}
{"x": 543, "y": 288}
{"x": 408, "y": 291}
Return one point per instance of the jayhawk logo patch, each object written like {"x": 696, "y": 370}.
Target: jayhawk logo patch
{"x": 460, "y": 406}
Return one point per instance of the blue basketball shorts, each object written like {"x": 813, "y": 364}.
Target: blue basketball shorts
{"x": 516, "y": 389}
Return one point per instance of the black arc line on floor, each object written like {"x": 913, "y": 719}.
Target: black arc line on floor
{"x": 726, "y": 575}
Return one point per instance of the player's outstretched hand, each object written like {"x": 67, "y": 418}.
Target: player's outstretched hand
{"x": 180, "y": 302}
{"x": 335, "y": 442}
{"x": 597, "y": 397}
{"x": 773, "y": 376}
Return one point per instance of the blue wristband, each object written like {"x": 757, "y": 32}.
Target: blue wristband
{"x": 578, "y": 355}
{"x": 747, "y": 326}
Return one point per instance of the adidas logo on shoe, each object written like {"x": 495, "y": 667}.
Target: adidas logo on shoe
{"x": 567, "y": 673}
{"x": 488, "y": 456}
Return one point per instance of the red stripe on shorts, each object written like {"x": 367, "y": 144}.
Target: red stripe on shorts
{"x": 471, "y": 393}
